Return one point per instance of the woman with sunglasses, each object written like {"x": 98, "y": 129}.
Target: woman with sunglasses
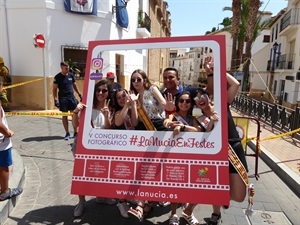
{"x": 100, "y": 119}
{"x": 182, "y": 120}
{"x": 154, "y": 105}
{"x": 151, "y": 99}
{"x": 125, "y": 118}
{"x": 237, "y": 186}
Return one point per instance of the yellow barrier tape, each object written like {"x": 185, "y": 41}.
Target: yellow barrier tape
{"x": 252, "y": 92}
{"x": 281, "y": 135}
{"x": 22, "y": 83}
{"x": 38, "y": 114}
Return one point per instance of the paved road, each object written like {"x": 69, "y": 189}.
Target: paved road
{"x": 46, "y": 198}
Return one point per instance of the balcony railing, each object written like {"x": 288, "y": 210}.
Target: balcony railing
{"x": 282, "y": 62}
{"x": 278, "y": 117}
{"x": 291, "y": 18}
{"x": 286, "y": 61}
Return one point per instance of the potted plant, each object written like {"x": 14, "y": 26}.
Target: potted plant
{"x": 140, "y": 19}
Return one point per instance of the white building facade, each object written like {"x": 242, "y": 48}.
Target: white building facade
{"x": 65, "y": 33}
{"x": 281, "y": 59}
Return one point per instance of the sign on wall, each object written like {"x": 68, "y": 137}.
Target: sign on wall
{"x": 154, "y": 165}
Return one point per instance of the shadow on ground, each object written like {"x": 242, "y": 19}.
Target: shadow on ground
{"x": 94, "y": 214}
{"x": 43, "y": 138}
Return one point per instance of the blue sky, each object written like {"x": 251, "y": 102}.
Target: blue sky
{"x": 195, "y": 17}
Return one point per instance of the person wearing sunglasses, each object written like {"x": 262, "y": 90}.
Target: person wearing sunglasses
{"x": 154, "y": 104}
{"x": 180, "y": 121}
{"x": 101, "y": 119}
{"x": 150, "y": 98}
{"x": 237, "y": 186}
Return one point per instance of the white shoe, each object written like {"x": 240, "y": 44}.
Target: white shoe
{"x": 78, "y": 211}
{"x": 174, "y": 220}
{"x": 106, "y": 201}
{"x": 164, "y": 204}
{"x": 123, "y": 208}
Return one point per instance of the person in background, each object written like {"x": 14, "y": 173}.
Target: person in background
{"x": 110, "y": 76}
{"x": 64, "y": 82}
{"x": 6, "y": 79}
{"x": 6, "y": 157}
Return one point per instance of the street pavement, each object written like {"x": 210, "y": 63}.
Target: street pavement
{"x": 39, "y": 148}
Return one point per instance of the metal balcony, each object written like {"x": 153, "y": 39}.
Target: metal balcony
{"x": 290, "y": 21}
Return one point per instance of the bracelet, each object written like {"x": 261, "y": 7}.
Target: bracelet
{"x": 75, "y": 112}
{"x": 210, "y": 75}
{"x": 171, "y": 112}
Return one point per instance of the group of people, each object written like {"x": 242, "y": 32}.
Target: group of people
{"x": 171, "y": 109}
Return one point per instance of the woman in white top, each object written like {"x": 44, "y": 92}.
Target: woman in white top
{"x": 154, "y": 105}
{"x": 150, "y": 98}
{"x": 101, "y": 119}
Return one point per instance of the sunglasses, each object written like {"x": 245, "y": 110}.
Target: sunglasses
{"x": 103, "y": 91}
{"x": 187, "y": 101}
{"x": 203, "y": 96}
{"x": 138, "y": 80}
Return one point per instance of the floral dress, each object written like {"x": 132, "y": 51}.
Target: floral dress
{"x": 153, "y": 109}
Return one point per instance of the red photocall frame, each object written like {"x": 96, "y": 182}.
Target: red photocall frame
{"x": 153, "y": 165}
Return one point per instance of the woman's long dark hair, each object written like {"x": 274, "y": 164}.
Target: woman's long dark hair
{"x": 116, "y": 106}
{"x": 190, "y": 97}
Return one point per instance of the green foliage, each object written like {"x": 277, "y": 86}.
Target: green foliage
{"x": 73, "y": 67}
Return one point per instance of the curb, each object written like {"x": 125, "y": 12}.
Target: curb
{"x": 287, "y": 175}
{"x": 17, "y": 179}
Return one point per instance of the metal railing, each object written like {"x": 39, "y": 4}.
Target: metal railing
{"x": 290, "y": 18}
{"x": 277, "y": 116}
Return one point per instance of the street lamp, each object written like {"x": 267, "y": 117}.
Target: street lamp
{"x": 275, "y": 47}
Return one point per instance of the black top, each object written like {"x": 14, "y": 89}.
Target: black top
{"x": 65, "y": 84}
{"x": 233, "y": 135}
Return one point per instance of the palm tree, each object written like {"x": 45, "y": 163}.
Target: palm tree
{"x": 251, "y": 25}
{"x": 236, "y": 17}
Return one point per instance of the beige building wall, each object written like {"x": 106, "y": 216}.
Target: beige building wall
{"x": 158, "y": 59}
{"x": 31, "y": 95}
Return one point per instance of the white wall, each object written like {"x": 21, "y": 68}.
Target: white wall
{"x": 25, "y": 18}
